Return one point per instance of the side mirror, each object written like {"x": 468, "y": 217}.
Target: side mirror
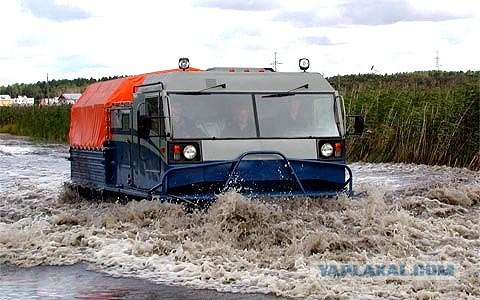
{"x": 358, "y": 124}
{"x": 144, "y": 127}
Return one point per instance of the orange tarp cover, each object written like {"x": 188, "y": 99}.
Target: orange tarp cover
{"x": 88, "y": 117}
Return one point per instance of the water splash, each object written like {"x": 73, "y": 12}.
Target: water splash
{"x": 404, "y": 214}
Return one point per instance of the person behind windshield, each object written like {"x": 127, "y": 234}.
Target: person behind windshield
{"x": 241, "y": 124}
{"x": 295, "y": 118}
{"x": 183, "y": 127}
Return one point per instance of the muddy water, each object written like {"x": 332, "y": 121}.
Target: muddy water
{"x": 403, "y": 216}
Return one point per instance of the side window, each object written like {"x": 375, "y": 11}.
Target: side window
{"x": 125, "y": 121}
{"x": 155, "y": 112}
{"x": 162, "y": 126}
{"x": 152, "y": 112}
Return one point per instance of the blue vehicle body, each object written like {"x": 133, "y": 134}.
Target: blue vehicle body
{"x": 147, "y": 156}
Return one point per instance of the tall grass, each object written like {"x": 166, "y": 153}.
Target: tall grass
{"x": 49, "y": 123}
{"x": 422, "y": 117}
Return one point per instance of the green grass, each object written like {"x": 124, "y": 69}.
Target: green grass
{"x": 422, "y": 117}
{"x": 46, "y": 123}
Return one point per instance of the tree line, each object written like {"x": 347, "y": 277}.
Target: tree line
{"x": 50, "y": 89}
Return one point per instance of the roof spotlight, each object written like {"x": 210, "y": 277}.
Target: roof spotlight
{"x": 304, "y": 64}
{"x": 184, "y": 63}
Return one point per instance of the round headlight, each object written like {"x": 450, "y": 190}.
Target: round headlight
{"x": 190, "y": 152}
{"x": 326, "y": 150}
{"x": 304, "y": 64}
{"x": 183, "y": 63}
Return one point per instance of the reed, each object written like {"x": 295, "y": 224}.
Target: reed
{"x": 422, "y": 117}
{"x": 47, "y": 123}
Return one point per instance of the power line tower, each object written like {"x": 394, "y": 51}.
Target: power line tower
{"x": 437, "y": 62}
{"x": 275, "y": 62}
{"x": 48, "y": 89}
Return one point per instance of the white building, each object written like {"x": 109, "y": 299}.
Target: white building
{"x": 5, "y": 100}
{"x": 23, "y": 101}
{"x": 65, "y": 98}
{"x": 49, "y": 101}
{"x": 69, "y": 98}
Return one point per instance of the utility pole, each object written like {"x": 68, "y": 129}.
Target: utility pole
{"x": 437, "y": 62}
{"x": 275, "y": 62}
{"x": 48, "y": 90}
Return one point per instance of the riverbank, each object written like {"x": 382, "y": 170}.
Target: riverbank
{"x": 45, "y": 123}
{"x": 422, "y": 117}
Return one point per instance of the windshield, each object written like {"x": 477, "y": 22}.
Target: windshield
{"x": 297, "y": 116}
{"x": 212, "y": 116}
{"x": 232, "y": 116}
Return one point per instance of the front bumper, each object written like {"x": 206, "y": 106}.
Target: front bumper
{"x": 282, "y": 177}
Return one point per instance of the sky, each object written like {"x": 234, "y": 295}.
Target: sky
{"x": 67, "y": 39}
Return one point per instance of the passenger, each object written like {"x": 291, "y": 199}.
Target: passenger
{"x": 183, "y": 127}
{"x": 241, "y": 124}
{"x": 295, "y": 118}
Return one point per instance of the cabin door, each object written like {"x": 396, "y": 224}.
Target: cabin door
{"x": 145, "y": 146}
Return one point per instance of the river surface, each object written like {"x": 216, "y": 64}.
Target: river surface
{"x": 406, "y": 225}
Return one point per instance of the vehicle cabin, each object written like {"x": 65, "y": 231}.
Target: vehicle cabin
{"x": 189, "y": 135}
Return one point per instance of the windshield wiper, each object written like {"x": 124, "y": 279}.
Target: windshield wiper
{"x": 222, "y": 85}
{"x": 202, "y": 91}
{"x": 287, "y": 93}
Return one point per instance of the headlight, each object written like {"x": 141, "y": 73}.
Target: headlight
{"x": 189, "y": 152}
{"x": 304, "y": 64}
{"x": 183, "y": 63}
{"x": 326, "y": 150}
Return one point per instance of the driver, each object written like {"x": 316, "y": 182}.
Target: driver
{"x": 183, "y": 127}
{"x": 241, "y": 124}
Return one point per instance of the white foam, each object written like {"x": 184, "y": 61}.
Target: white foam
{"x": 244, "y": 246}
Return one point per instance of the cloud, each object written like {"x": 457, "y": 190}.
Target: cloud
{"x": 48, "y": 9}
{"x": 75, "y": 63}
{"x": 384, "y": 12}
{"x": 301, "y": 18}
{"x": 452, "y": 38}
{"x": 239, "y": 33}
{"x": 254, "y": 47}
{"x": 242, "y": 5}
{"x": 31, "y": 40}
{"x": 318, "y": 40}
{"x": 366, "y": 12}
